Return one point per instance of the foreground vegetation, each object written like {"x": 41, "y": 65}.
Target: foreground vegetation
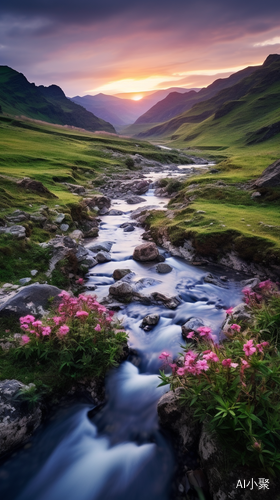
{"x": 236, "y": 384}
{"x": 79, "y": 339}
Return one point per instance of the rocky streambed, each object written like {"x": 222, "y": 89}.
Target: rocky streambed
{"x": 120, "y": 452}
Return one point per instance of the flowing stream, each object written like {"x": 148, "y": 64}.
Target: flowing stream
{"x": 121, "y": 454}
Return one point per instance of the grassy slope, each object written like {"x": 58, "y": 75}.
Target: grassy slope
{"x": 19, "y": 97}
{"x": 232, "y": 140}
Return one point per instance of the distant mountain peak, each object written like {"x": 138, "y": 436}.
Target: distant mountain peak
{"x": 272, "y": 58}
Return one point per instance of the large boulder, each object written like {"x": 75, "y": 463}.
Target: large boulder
{"x": 17, "y": 420}
{"x": 270, "y": 176}
{"x": 121, "y": 290}
{"x": 140, "y": 187}
{"x": 35, "y": 186}
{"x": 102, "y": 203}
{"x": 177, "y": 418}
{"x": 118, "y": 274}
{"x": 32, "y": 299}
{"x": 146, "y": 252}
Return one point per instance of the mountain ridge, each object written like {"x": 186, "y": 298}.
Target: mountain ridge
{"x": 20, "y": 97}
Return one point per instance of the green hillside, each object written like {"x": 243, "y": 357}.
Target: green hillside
{"x": 239, "y": 129}
{"x": 21, "y": 98}
{"x": 246, "y": 113}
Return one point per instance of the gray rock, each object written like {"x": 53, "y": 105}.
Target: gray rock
{"x": 24, "y": 281}
{"x": 33, "y": 272}
{"x": 75, "y": 188}
{"x": 149, "y": 321}
{"x": 103, "y": 246}
{"x": 18, "y": 232}
{"x": 17, "y": 216}
{"x": 191, "y": 326}
{"x": 64, "y": 227}
{"x": 129, "y": 229}
{"x": 134, "y": 199}
{"x": 99, "y": 201}
{"x": 118, "y": 274}
{"x": 17, "y": 422}
{"x": 121, "y": 290}
{"x": 178, "y": 418}
{"x": 76, "y": 235}
{"x": 163, "y": 268}
{"x": 270, "y": 176}
{"x": 103, "y": 257}
{"x": 59, "y": 218}
{"x": 115, "y": 212}
{"x": 146, "y": 252}
{"x": 256, "y": 194}
{"x": 32, "y": 299}
{"x": 239, "y": 313}
{"x": 39, "y": 218}
{"x": 81, "y": 253}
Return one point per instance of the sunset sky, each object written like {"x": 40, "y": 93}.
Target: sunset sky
{"x": 113, "y": 46}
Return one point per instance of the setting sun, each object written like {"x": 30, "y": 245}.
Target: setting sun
{"x": 137, "y": 97}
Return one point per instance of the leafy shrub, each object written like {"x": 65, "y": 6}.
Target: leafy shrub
{"x": 236, "y": 386}
{"x": 79, "y": 339}
{"x": 129, "y": 163}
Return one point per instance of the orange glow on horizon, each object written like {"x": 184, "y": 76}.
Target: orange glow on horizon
{"x": 137, "y": 97}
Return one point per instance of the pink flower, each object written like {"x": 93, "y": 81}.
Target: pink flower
{"x": 80, "y": 281}
{"x": 57, "y": 320}
{"x": 27, "y": 319}
{"x": 257, "y": 445}
{"x": 7, "y": 331}
{"x": 234, "y": 365}
{"x": 64, "y": 329}
{"x": 246, "y": 291}
{"x": 46, "y": 330}
{"x": 190, "y": 335}
{"x": 173, "y": 366}
{"x": 202, "y": 365}
{"x": 101, "y": 309}
{"x": 24, "y": 326}
{"x": 229, "y": 310}
{"x": 98, "y": 327}
{"x": 245, "y": 364}
{"x": 236, "y": 327}
{"x": 164, "y": 355}
{"x": 64, "y": 294}
{"x": 25, "y": 339}
{"x": 259, "y": 347}
{"x": 203, "y": 330}
{"x": 210, "y": 356}
{"x": 108, "y": 318}
{"x": 266, "y": 285}
{"x": 265, "y": 344}
{"x": 191, "y": 355}
{"x": 248, "y": 348}
{"x": 37, "y": 323}
{"x": 80, "y": 314}
{"x": 226, "y": 362}
{"x": 111, "y": 313}
{"x": 180, "y": 371}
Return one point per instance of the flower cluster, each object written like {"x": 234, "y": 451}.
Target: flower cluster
{"x": 202, "y": 331}
{"x": 195, "y": 363}
{"x": 70, "y": 311}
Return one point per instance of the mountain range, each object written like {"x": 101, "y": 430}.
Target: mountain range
{"x": 20, "y": 97}
{"x": 248, "y": 110}
{"x": 121, "y": 111}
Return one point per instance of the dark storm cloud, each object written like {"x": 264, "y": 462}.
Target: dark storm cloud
{"x": 90, "y": 11}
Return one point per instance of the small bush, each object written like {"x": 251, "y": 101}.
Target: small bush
{"x": 79, "y": 339}
{"x": 235, "y": 386}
